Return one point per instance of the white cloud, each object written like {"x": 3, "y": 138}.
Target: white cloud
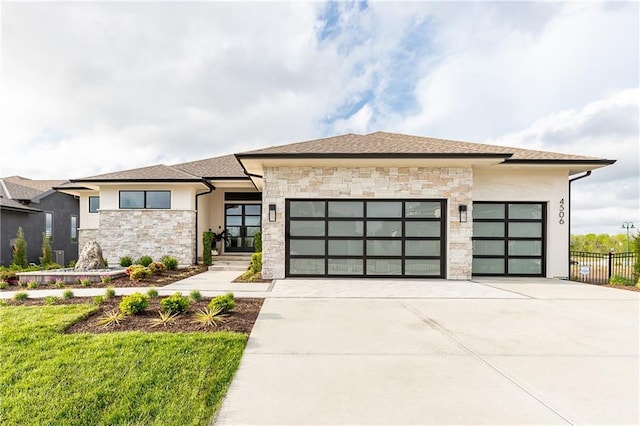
{"x": 92, "y": 87}
{"x": 607, "y": 128}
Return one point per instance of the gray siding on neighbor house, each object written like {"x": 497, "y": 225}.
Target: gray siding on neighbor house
{"x": 62, "y": 206}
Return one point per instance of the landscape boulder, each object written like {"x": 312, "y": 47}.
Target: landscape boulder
{"x": 90, "y": 258}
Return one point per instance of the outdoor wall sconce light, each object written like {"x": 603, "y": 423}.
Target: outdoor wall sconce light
{"x": 272, "y": 212}
{"x": 462, "y": 210}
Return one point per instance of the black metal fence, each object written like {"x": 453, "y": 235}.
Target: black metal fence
{"x": 598, "y": 268}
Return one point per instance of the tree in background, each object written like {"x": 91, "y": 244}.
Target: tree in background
{"x": 601, "y": 243}
{"x": 20, "y": 251}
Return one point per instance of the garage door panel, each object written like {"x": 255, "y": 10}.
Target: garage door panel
{"x": 307, "y": 228}
{"x": 366, "y": 238}
{"x": 345, "y": 266}
{"x": 422, "y": 248}
{"x": 518, "y": 228}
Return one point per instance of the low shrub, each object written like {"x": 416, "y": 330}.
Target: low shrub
{"x": 134, "y": 303}
{"x": 137, "y": 272}
{"x": 111, "y": 318}
{"x": 152, "y": 292}
{"x": 8, "y": 275}
{"x": 84, "y": 281}
{"x": 109, "y": 293}
{"x": 72, "y": 264}
{"x": 50, "y": 300}
{"x": 53, "y": 265}
{"x": 195, "y": 296}
{"x": 20, "y": 296}
{"x": 126, "y": 261}
{"x": 98, "y": 299}
{"x": 257, "y": 242}
{"x": 144, "y": 260}
{"x": 165, "y": 319}
{"x": 175, "y": 304}
{"x": 223, "y": 303}
{"x": 256, "y": 263}
{"x": 68, "y": 294}
{"x": 156, "y": 267}
{"x": 170, "y": 262}
{"x": 106, "y": 279}
{"x": 209, "y": 317}
{"x": 59, "y": 284}
{"x": 618, "y": 280}
{"x": 3, "y": 284}
{"x": 33, "y": 284}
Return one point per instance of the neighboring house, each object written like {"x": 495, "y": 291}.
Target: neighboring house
{"x": 36, "y": 207}
{"x": 373, "y": 205}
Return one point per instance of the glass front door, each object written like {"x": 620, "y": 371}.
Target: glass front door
{"x": 242, "y": 222}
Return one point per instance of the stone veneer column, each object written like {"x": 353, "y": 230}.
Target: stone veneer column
{"x": 156, "y": 233}
{"x": 86, "y": 235}
{"x": 451, "y": 183}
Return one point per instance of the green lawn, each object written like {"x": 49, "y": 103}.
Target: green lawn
{"x": 49, "y": 378}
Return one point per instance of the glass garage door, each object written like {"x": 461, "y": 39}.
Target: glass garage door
{"x": 365, "y": 238}
{"x": 509, "y": 239}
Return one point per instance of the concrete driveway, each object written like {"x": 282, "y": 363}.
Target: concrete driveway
{"x": 500, "y": 352}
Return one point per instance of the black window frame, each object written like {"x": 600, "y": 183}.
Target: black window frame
{"x": 50, "y": 234}
{"x": 145, "y": 202}
{"x": 94, "y": 197}
{"x": 74, "y": 229}
{"x": 404, "y": 219}
{"x": 506, "y": 238}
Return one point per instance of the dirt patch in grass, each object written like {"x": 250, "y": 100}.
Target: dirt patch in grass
{"x": 240, "y": 319}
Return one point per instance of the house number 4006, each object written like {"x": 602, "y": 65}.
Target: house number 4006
{"x": 561, "y": 212}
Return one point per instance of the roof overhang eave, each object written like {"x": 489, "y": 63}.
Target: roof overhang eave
{"x": 574, "y": 166}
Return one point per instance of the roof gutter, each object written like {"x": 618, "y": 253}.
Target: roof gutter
{"x": 586, "y": 174}
{"x": 211, "y": 189}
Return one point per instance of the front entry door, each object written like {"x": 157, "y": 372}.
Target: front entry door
{"x": 242, "y": 222}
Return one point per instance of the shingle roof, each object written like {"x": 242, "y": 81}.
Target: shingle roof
{"x": 379, "y": 144}
{"x": 158, "y": 172}
{"x": 217, "y": 167}
{"x": 20, "y": 188}
{"x": 383, "y": 143}
{"x": 8, "y": 201}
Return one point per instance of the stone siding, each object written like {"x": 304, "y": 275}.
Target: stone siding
{"x": 451, "y": 183}
{"x": 155, "y": 233}
{"x": 84, "y": 236}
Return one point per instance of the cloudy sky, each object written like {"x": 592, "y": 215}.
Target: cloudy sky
{"x": 88, "y": 88}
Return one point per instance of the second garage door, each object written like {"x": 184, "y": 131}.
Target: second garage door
{"x": 365, "y": 238}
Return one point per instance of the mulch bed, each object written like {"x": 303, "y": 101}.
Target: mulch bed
{"x": 156, "y": 280}
{"x": 240, "y": 319}
{"x": 623, "y": 287}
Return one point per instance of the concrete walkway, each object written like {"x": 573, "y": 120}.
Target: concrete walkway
{"x": 384, "y": 352}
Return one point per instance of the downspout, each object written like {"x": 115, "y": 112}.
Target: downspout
{"x": 588, "y": 173}
{"x": 211, "y": 189}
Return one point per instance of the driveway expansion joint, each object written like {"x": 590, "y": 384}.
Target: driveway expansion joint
{"x": 436, "y": 326}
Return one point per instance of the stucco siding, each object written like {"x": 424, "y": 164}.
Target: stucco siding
{"x": 544, "y": 185}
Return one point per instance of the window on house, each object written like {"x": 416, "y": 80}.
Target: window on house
{"x": 48, "y": 225}
{"x": 94, "y": 204}
{"x": 74, "y": 229}
{"x": 145, "y": 199}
